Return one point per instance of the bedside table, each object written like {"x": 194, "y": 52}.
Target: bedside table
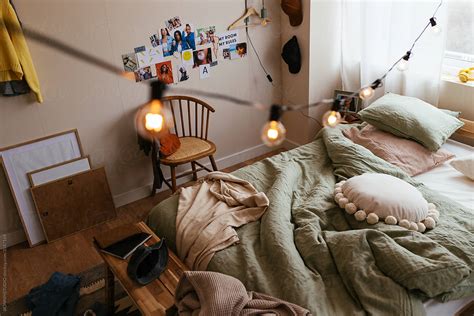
{"x": 152, "y": 299}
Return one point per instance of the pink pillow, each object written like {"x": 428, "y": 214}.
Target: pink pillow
{"x": 408, "y": 155}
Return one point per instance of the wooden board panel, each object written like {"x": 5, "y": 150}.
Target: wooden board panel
{"x": 74, "y": 203}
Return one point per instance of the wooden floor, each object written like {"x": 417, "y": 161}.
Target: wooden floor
{"x": 30, "y": 267}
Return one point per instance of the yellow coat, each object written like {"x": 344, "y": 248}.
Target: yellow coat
{"x": 15, "y": 58}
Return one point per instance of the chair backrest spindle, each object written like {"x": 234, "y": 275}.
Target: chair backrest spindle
{"x": 174, "y": 117}
{"x": 202, "y": 121}
{"x": 201, "y": 125}
{"x": 181, "y": 116}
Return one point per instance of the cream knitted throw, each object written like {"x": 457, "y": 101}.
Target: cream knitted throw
{"x": 208, "y": 212}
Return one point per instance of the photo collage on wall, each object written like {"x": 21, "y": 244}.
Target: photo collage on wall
{"x": 179, "y": 48}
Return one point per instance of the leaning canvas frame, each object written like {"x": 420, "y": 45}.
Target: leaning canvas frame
{"x": 19, "y": 160}
{"x": 59, "y": 171}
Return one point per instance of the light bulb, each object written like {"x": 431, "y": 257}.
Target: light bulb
{"x": 264, "y": 22}
{"x": 366, "y": 93}
{"x": 273, "y": 133}
{"x": 436, "y": 29}
{"x": 331, "y": 118}
{"x": 153, "y": 120}
{"x": 402, "y": 65}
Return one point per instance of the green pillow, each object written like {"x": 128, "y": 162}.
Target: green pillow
{"x": 411, "y": 118}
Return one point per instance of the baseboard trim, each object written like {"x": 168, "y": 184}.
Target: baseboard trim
{"x": 223, "y": 162}
{"x": 13, "y": 238}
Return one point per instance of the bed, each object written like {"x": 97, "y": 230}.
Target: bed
{"x": 451, "y": 183}
{"x": 306, "y": 250}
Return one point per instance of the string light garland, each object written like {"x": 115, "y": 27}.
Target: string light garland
{"x": 152, "y": 120}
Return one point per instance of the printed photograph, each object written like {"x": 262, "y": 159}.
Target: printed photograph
{"x": 154, "y": 40}
{"x": 351, "y": 105}
{"x": 226, "y": 53}
{"x": 130, "y": 62}
{"x": 206, "y": 35}
{"x": 143, "y": 74}
{"x": 151, "y": 56}
{"x": 202, "y": 57}
{"x": 178, "y": 45}
{"x": 164, "y": 72}
{"x": 182, "y": 73}
{"x": 188, "y": 36}
{"x": 166, "y": 42}
{"x": 237, "y": 51}
{"x": 187, "y": 57}
{"x": 173, "y": 23}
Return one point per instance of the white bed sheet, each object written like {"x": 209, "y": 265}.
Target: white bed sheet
{"x": 453, "y": 184}
{"x": 448, "y": 181}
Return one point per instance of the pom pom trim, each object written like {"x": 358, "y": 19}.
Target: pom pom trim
{"x": 371, "y": 218}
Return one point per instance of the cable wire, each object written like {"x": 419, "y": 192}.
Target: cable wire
{"x": 269, "y": 77}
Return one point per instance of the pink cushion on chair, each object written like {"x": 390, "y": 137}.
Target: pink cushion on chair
{"x": 408, "y": 155}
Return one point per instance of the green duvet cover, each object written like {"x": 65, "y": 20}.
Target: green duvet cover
{"x": 307, "y": 250}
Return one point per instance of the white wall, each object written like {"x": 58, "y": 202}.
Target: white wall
{"x": 457, "y": 97}
{"x": 296, "y": 86}
{"x": 319, "y": 40}
{"x": 101, "y": 106}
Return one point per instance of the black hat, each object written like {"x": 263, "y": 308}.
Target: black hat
{"x": 147, "y": 263}
{"x": 292, "y": 56}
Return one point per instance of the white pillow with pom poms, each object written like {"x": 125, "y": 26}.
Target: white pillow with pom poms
{"x": 375, "y": 197}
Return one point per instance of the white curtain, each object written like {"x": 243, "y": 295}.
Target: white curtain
{"x": 375, "y": 33}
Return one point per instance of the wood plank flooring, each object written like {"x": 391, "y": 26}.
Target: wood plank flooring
{"x": 30, "y": 267}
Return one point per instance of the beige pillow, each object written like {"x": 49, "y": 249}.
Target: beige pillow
{"x": 464, "y": 165}
{"x": 374, "y": 196}
{"x": 408, "y": 155}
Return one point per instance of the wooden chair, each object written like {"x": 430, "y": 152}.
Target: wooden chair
{"x": 191, "y": 125}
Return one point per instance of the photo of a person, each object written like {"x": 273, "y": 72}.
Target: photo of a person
{"x": 154, "y": 40}
{"x": 202, "y": 57}
{"x": 351, "y": 105}
{"x": 188, "y": 37}
{"x": 206, "y": 35}
{"x": 226, "y": 53}
{"x": 202, "y": 39}
{"x": 166, "y": 42}
{"x": 178, "y": 44}
{"x": 164, "y": 72}
{"x": 241, "y": 49}
{"x": 173, "y": 23}
{"x": 143, "y": 74}
{"x": 182, "y": 73}
{"x": 238, "y": 50}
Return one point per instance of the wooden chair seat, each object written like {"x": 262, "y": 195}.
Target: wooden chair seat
{"x": 191, "y": 149}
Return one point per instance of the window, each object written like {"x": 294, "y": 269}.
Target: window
{"x": 460, "y": 30}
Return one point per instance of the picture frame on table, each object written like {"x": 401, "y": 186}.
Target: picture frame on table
{"x": 352, "y": 105}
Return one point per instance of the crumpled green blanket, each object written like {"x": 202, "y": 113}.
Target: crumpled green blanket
{"x": 308, "y": 251}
